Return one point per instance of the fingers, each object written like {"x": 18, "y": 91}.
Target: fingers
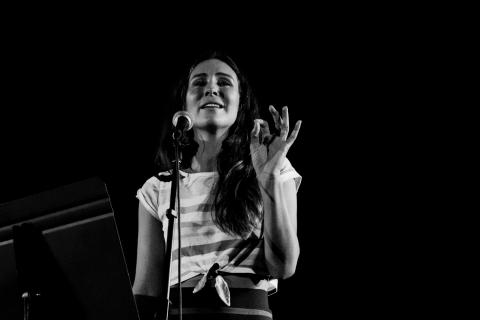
{"x": 256, "y": 128}
{"x": 294, "y": 133}
{"x": 281, "y": 123}
{"x": 276, "y": 117}
{"x": 264, "y": 126}
{"x": 285, "y": 124}
{"x": 255, "y": 134}
{"x": 261, "y": 131}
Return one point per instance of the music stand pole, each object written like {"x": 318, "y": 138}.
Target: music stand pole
{"x": 23, "y": 242}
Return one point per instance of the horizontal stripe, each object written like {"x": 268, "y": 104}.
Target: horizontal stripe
{"x": 187, "y": 275}
{"x": 202, "y": 207}
{"x": 196, "y": 223}
{"x": 236, "y": 270}
{"x": 203, "y": 226}
{"x": 186, "y": 200}
{"x": 190, "y": 217}
{"x": 206, "y": 258}
{"x": 200, "y": 263}
{"x": 233, "y": 281}
{"x": 210, "y": 247}
{"x": 207, "y": 234}
{"x": 238, "y": 311}
{"x": 256, "y": 267}
{"x": 241, "y": 269}
{"x": 200, "y": 237}
{"x": 198, "y": 210}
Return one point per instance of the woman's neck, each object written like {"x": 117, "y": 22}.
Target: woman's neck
{"x": 209, "y": 145}
{"x": 202, "y": 163}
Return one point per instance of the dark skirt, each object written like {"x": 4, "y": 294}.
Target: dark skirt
{"x": 245, "y": 304}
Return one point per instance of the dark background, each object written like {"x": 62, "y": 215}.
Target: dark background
{"x": 84, "y": 97}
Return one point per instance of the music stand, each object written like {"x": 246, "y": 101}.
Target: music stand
{"x": 64, "y": 245}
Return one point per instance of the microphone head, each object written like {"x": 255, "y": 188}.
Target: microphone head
{"x": 183, "y": 116}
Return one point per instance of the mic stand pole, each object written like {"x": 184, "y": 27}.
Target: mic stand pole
{"x": 171, "y": 215}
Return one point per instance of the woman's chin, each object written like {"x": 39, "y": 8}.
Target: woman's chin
{"x": 212, "y": 125}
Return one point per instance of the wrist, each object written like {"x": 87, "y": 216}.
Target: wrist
{"x": 268, "y": 179}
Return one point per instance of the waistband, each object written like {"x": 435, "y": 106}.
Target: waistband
{"x": 245, "y": 303}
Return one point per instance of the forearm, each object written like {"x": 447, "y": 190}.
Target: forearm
{"x": 280, "y": 225}
{"x": 150, "y": 255}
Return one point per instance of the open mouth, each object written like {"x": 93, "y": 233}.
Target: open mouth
{"x": 211, "y": 105}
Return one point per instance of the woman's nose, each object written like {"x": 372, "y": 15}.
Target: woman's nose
{"x": 211, "y": 92}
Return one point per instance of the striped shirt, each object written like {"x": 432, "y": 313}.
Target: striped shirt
{"x": 203, "y": 243}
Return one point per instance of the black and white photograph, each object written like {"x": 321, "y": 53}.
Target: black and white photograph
{"x": 155, "y": 172}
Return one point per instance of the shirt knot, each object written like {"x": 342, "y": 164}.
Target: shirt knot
{"x": 221, "y": 285}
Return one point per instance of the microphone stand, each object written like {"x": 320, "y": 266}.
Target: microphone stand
{"x": 171, "y": 215}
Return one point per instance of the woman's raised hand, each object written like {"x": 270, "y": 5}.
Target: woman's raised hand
{"x": 269, "y": 150}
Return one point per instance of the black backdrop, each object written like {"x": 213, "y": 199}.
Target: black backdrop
{"x": 84, "y": 99}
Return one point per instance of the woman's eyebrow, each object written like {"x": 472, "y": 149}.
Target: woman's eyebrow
{"x": 200, "y": 75}
{"x": 224, "y": 74}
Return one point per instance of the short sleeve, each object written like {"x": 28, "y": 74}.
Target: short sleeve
{"x": 148, "y": 196}
{"x": 288, "y": 172}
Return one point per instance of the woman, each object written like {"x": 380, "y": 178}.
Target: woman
{"x": 238, "y": 203}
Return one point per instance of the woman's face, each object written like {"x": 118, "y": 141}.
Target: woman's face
{"x": 213, "y": 95}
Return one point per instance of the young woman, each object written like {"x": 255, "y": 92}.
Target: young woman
{"x": 238, "y": 203}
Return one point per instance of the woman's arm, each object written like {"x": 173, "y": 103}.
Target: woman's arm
{"x": 150, "y": 255}
{"x": 279, "y": 198}
{"x": 280, "y": 225}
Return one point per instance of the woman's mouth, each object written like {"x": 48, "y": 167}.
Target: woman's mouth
{"x": 211, "y": 106}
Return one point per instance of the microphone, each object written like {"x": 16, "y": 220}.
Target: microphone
{"x": 182, "y": 122}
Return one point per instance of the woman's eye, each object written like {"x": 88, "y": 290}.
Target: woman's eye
{"x": 224, "y": 82}
{"x": 199, "y": 82}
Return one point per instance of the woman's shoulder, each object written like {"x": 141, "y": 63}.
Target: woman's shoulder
{"x": 157, "y": 181}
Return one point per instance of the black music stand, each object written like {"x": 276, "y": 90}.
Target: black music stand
{"x": 61, "y": 257}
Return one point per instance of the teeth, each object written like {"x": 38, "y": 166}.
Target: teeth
{"x": 214, "y": 105}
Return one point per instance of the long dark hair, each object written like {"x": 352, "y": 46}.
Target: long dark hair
{"x": 238, "y": 203}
